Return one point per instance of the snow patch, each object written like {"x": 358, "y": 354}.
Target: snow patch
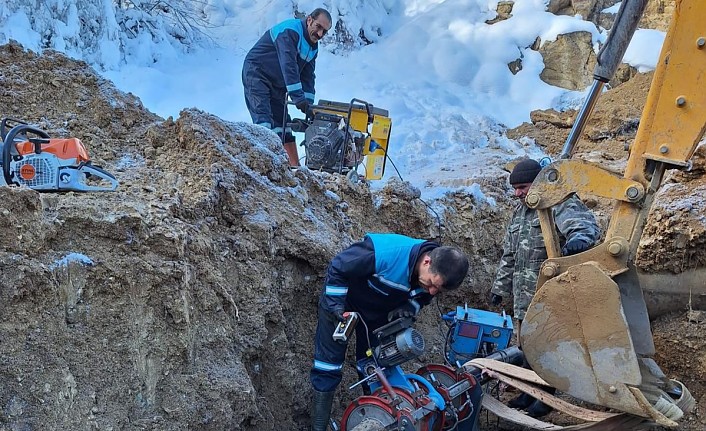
{"x": 72, "y": 257}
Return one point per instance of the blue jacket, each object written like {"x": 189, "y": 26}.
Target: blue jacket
{"x": 376, "y": 275}
{"x": 285, "y": 58}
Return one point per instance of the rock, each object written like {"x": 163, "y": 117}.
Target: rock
{"x": 515, "y": 66}
{"x": 658, "y": 14}
{"x": 623, "y": 74}
{"x": 504, "y": 10}
{"x": 559, "y": 119}
{"x": 570, "y": 52}
{"x": 696, "y": 316}
{"x": 560, "y": 7}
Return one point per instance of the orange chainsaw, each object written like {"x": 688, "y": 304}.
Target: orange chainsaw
{"x": 32, "y": 159}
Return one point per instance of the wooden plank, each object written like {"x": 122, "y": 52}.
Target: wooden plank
{"x": 508, "y": 369}
{"x": 619, "y": 422}
{"x": 557, "y": 403}
{"x": 515, "y": 416}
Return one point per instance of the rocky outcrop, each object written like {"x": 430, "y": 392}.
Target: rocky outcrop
{"x": 560, "y": 7}
{"x": 658, "y": 14}
{"x": 570, "y": 52}
{"x": 588, "y": 9}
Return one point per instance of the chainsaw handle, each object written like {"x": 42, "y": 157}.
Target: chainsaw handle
{"x": 9, "y": 140}
{"x": 3, "y": 126}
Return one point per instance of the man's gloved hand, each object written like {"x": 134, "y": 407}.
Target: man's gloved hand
{"x": 496, "y": 299}
{"x": 304, "y": 106}
{"x": 338, "y": 314}
{"x": 406, "y": 310}
{"x": 575, "y": 246}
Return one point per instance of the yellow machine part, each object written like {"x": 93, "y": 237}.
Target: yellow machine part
{"x": 587, "y": 330}
{"x": 375, "y": 160}
{"x": 380, "y": 133}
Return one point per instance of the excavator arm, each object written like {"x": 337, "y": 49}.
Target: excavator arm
{"x": 587, "y": 330}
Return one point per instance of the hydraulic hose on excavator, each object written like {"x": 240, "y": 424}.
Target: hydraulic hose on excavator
{"x": 587, "y": 331}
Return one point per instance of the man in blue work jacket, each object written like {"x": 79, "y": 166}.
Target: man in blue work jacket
{"x": 383, "y": 277}
{"x": 282, "y": 61}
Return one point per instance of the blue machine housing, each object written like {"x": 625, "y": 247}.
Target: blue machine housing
{"x": 475, "y": 333}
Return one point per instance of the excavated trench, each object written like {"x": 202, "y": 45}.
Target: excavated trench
{"x": 187, "y": 299}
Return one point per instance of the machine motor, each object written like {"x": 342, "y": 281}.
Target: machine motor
{"x": 399, "y": 343}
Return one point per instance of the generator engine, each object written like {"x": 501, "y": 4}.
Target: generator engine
{"x": 331, "y": 145}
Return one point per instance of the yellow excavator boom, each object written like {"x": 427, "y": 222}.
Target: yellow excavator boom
{"x": 587, "y": 330}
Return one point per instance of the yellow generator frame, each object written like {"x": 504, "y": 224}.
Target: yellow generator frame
{"x": 360, "y": 115}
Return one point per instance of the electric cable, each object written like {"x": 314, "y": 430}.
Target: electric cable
{"x": 367, "y": 337}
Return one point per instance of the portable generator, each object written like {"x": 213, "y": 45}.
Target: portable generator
{"x": 341, "y": 137}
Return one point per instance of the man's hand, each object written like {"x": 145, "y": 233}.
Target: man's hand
{"x": 406, "y": 310}
{"x": 338, "y": 314}
{"x": 304, "y": 106}
{"x": 574, "y": 246}
{"x": 496, "y": 299}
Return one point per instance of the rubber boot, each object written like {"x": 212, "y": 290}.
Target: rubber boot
{"x": 521, "y": 401}
{"x": 539, "y": 409}
{"x": 291, "y": 149}
{"x": 321, "y": 410}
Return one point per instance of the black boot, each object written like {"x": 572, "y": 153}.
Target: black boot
{"x": 521, "y": 401}
{"x": 539, "y": 409}
{"x": 321, "y": 410}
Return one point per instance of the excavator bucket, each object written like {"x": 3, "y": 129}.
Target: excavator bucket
{"x": 575, "y": 327}
{"x": 578, "y": 335}
{"x": 587, "y": 329}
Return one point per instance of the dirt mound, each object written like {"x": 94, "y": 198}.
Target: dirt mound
{"x": 185, "y": 299}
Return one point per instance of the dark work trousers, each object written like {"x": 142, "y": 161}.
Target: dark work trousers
{"x": 267, "y": 105}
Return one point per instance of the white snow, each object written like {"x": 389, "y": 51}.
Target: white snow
{"x": 612, "y": 9}
{"x": 435, "y": 65}
{"x": 72, "y": 257}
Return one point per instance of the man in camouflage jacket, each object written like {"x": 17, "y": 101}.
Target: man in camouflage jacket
{"x": 524, "y": 252}
{"x": 523, "y": 247}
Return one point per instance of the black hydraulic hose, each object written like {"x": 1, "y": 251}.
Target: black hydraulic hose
{"x": 608, "y": 59}
{"x": 511, "y": 355}
{"x": 610, "y": 56}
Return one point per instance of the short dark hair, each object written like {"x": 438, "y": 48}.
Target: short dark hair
{"x": 318, "y": 11}
{"x": 451, "y": 264}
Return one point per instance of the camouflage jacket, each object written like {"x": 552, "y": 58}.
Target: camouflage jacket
{"x": 524, "y": 251}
